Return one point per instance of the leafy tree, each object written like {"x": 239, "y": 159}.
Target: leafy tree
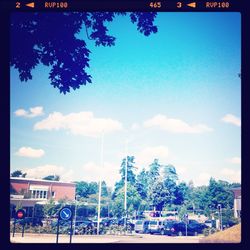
{"x": 50, "y": 208}
{"x": 158, "y": 195}
{"x": 133, "y": 201}
{"x": 171, "y": 187}
{"x": 154, "y": 172}
{"x": 218, "y": 193}
{"x": 182, "y": 211}
{"x": 181, "y": 194}
{"x": 18, "y": 173}
{"x": 130, "y": 174}
{"x": 82, "y": 189}
{"x": 50, "y": 39}
{"x": 142, "y": 183}
{"x": 92, "y": 188}
{"x": 52, "y": 178}
{"x": 85, "y": 189}
{"x": 169, "y": 172}
{"x": 130, "y": 166}
{"x": 105, "y": 190}
{"x": 234, "y": 185}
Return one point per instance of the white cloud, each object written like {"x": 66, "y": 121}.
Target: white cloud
{"x": 48, "y": 169}
{"x": 181, "y": 170}
{"x": 230, "y": 175}
{"x": 33, "y": 112}
{"x": 82, "y": 123}
{"x": 108, "y": 173}
{"x": 224, "y": 174}
{"x": 235, "y": 160}
{"x": 202, "y": 179}
{"x": 147, "y": 155}
{"x": 175, "y": 125}
{"x": 30, "y": 152}
{"x": 229, "y": 118}
{"x": 135, "y": 126}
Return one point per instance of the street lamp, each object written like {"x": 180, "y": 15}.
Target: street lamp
{"x": 125, "y": 183}
{"x": 100, "y": 186}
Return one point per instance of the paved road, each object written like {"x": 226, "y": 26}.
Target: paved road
{"x": 138, "y": 238}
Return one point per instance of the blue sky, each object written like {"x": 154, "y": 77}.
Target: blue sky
{"x": 174, "y": 95}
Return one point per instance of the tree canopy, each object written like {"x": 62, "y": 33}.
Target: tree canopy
{"x": 52, "y": 178}
{"x": 18, "y": 173}
{"x": 50, "y": 39}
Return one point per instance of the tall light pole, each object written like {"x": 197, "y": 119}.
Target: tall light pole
{"x": 126, "y": 183}
{"x": 100, "y": 186}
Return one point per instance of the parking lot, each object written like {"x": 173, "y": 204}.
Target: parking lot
{"x": 134, "y": 238}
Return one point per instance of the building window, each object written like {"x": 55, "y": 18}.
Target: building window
{"x": 39, "y": 194}
{"x": 53, "y": 194}
{"x": 33, "y": 194}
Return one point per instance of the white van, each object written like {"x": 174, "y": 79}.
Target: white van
{"x": 141, "y": 226}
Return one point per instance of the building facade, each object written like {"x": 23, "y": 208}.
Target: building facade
{"x": 237, "y": 202}
{"x": 26, "y": 193}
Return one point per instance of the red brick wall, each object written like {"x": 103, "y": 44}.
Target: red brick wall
{"x": 62, "y": 190}
{"x": 18, "y": 186}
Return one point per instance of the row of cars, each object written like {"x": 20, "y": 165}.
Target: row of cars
{"x": 153, "y": 226}
{"x": 170, "y": 227}
{"x": 163, "y": 227}
{"x": 87, "y": 226}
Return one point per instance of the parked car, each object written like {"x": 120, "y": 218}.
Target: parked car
{"x": 193, "y": 228}
{"x": 85, "y": 226}
{"x": 141, "y": 226}
{"x": 130, "y": 225}
{"x": 168, "y": 227}
{"x": 210, "y": 223}
{"x": 155, "y": 226}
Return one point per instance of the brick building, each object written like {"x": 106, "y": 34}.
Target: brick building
{"x": 26, "y": 192}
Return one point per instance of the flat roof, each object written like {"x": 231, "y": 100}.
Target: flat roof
{"x": 40, "y": 180}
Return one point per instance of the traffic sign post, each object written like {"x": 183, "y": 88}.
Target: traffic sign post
{"x": 14, "y": 228}
{"x": 65, "y": 214}
{"x": 71, "y": 231}
{"x": 57, "y": 230}
{"x": 23, "y": 229}
{"x": 19, "y": 215}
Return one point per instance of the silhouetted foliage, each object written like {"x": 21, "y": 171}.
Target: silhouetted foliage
{"x": 50, "y": 39}
{"x": 52, "y": 178}
{"x": 18, "y": 173}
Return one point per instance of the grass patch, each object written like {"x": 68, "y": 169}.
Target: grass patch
{"x": 230, "y": 235}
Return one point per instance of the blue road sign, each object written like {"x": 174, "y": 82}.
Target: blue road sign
{"x": 65, "y": 213}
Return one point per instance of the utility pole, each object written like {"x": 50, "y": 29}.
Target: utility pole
{"x": 125, "y": 183}
{"x": 100, "y": 187}
{"x": 220, "y": 216}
